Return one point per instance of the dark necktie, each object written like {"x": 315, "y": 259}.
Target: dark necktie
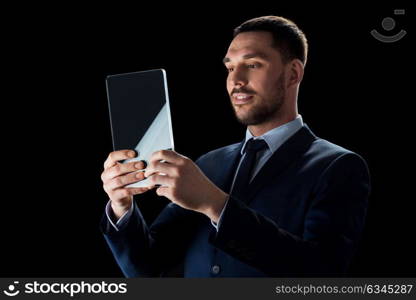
{"x": 242, "y": 179}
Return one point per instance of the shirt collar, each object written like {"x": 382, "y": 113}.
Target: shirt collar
{"x": 275, "y": 137}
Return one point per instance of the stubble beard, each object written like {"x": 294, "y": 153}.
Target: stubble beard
{"x": 264, "y": 110}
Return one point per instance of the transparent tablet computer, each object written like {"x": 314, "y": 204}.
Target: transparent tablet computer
{"x": 140, "y": 114}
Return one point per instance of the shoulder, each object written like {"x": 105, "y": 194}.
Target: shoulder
{"x": 322, "y": 149}
{"x": 219, "y": 153}
{"x": 334, "y": 157}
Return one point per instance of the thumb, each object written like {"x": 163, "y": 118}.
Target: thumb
{"x": 163, "y": 191}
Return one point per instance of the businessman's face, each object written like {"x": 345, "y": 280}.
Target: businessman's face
{"x": 256, "y": 77}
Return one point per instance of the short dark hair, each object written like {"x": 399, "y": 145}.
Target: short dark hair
{"x": 287, "y": 37}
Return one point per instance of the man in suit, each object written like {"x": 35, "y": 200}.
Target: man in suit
{"x": 283, "y": 202}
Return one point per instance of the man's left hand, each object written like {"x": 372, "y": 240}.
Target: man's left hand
{"x": 183, "y": 183}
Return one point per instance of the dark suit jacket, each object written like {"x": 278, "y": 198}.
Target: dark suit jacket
{"x": 303, "y": 216}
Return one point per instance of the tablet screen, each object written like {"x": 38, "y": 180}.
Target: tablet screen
{"x": 140, "y": 113}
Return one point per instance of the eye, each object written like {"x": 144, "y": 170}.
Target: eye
{"x": 230, "y": 70}
{"x": 252, "y": 66}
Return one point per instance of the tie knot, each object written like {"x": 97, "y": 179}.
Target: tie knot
{"x": 255, "y": 145}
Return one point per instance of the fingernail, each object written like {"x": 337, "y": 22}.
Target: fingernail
{"x": 138, "y": 166}
{"x": 139, "y": 175}
{"x": 132, "y": 153}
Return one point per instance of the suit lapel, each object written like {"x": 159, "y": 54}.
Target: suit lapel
{"x": 290, "y": 151}
{"x": 227, "y": 166}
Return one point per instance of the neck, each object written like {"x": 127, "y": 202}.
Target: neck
{"x": 260, "y": 129}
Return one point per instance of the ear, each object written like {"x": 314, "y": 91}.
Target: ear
{"x": 295, "y": 72}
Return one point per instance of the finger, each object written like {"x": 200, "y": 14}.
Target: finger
{"x": 116, "y": 156}
{"x": 163, "y": 191}
{"x": 121, "y": 169}
{"x": 160, "y": 167}
{"x": 158, "y": 179}
{"x": 140, "y": 190}
{"x": 123, "y": 180}
{"x": 169, "y": 156}
{"x": 125, "y": 192}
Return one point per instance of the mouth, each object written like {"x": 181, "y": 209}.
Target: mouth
{"x": 241, "y": 98}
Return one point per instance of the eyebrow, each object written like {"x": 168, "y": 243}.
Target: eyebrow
{"x": 247, "y": 56}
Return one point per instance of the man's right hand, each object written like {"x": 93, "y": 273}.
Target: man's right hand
{"x": 117, "y": 175}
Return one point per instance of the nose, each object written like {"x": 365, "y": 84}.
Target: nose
{"x": 237, "y": 78}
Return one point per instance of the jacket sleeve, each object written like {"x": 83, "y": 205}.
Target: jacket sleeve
{"x": 333, "y": 225}
{"x": 143, "y": 251}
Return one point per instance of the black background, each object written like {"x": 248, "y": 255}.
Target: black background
{"x": 56, "y": 130}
